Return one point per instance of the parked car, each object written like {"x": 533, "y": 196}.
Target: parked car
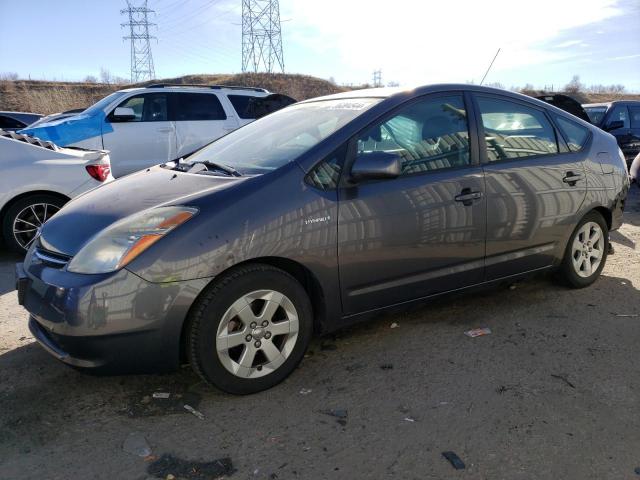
{"x": 37, "y": 178}
{"x": 634, "y": 170}
{"x": 621, "y": 119}
{"x": 315, "y": 217}
{"x": 56, "y": 116}
{"x": 12, "y": 121}
{"x": 142, "y": 127}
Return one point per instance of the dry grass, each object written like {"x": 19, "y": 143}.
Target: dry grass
{"x": 51, "y": 97}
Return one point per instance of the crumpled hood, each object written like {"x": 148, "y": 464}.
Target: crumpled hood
{"x": 70, "y": 130}
{"x": 88, "y": 214}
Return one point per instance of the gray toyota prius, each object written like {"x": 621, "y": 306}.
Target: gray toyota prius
{"x": 313, "y": 218}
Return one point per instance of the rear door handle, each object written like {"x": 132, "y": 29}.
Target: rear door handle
{"x": 467, "y": 196}
{"x": 572, "y": 178}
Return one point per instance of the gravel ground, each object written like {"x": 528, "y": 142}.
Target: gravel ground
{"x": 552, "y": 393}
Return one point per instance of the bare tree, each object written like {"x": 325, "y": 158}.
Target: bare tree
{"x": 91, "y": 79}
{"x": 9, "y": 76}
{"x": 105, "y": 76}
{"x": 575, "y": 85}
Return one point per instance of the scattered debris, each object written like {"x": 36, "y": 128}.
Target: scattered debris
{"x": 153, "y": 405}
{"x": 168, "y": 465}
{"x": 338, "y": 413}
{"x": 409, "y": 419}
{"x": 394, "y": 325}
{"x": 564, "y": 379}
{"x": 386, "y": 366}
{"x": 161, "y": 395}
{"x": 195, "y": 412}
{"x": 512, "y": 286}
{"x": 136, "y": 444}
{"x": 637, "y": 471}
{"x": 633, "y": 315}
{"x": 328, "y": 346}
{"x": 454, "y": 460}
{"x": 478, "y": 332}
{"x": 305, "y": 391}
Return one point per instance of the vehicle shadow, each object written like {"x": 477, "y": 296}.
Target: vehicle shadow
{"x": 40, "y": 397}
{"x": 7, "y": 273}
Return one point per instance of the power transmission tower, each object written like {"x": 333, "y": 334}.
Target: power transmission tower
{"x": 261, "y": 36}
{"x": 141, "y": 57}
{"x": 377, "y": 78}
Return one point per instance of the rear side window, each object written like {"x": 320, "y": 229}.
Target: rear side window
{"x": 197, "y": 106}
{"x": 240, "y": 104}
{"x": 513, "y": 130}
{"x": 576, "y": 135}
{"x": 634, "y": 113}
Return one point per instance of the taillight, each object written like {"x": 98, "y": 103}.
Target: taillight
{"x": 99, "y": 172}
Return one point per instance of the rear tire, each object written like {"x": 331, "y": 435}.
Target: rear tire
{"x": 586, "y": 252}
{"x": 24, "y": 217}
{"x": 250, "y": 329}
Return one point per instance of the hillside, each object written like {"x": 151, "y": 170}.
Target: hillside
{"x": 51, "y": 97}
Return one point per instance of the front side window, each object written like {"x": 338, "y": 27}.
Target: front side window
{"x": 197, "y": 106}
{"x": 150, "y": 107}
{"x": 279, "y": 138}
{"x": 618, "y": 114}
{"x": 430, "y": 134}
{"x": 576, "y": 135}
{"x": 634, "y": 113}
{"x": 513, "y": 130}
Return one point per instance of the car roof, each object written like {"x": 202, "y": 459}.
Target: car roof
{"x": 199, "y": 88}
{"x": 612, "y": 102}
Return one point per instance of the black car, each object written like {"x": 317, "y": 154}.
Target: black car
{"x": 12, "y": 121}
{"x": 622, "y": 120}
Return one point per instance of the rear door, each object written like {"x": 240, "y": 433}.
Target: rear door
{"x": 421, "y": 233}
{"x": 200, "y": 118}
{"x": 535, "y": 185}
{"x": 147, "y": 140}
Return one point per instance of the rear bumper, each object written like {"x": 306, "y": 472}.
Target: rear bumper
{"x": 112, "y": 323}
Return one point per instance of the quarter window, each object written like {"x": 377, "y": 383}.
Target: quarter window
{"x": 575, "y": 134}
{"x": 240, "y": 104}
{"x": 197, "y": 106}
{"x": 429, "y": 135}
{"x": 513, "y": 130}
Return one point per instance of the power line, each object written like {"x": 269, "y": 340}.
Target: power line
{"x": 141, "y": 58}
{"x": 261, "y": 36}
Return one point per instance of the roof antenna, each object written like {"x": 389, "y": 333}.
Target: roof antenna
{"x": 490, "y": 65}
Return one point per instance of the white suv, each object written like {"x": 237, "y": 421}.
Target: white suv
{"x": 142, "y": 127}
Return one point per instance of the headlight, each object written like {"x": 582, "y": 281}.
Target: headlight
{"x": 117, "y": 245}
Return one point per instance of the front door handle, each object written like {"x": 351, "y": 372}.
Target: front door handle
{"x": 467, "y": 196}
{"x": 572, "y": 178}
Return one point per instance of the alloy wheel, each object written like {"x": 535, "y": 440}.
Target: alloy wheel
{"x": 257, "y": 333}
{"x": 588, "y": 249}
{"x": 29, "y": 220}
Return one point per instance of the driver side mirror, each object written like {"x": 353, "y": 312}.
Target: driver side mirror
{"x": 376, "y": 166}
{"x": 616, "y": 124}
{"x": 123, "y": 114}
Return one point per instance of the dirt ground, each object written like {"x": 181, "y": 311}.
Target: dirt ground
{"x": 552, "y": 393}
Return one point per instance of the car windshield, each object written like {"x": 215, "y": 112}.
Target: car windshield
{"x": 596, "y": 114}
{"x": 279, "y": 138}
{"x": 101, "y": 104}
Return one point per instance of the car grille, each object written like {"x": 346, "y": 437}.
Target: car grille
{"x": 51, "y": 259}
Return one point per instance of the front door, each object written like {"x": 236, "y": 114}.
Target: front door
{"x": 145, "y": 141}
{"x": 535, "y": 186}
{"x": 421, "y": 233}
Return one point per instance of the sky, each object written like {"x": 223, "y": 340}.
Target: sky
{"x": 543, "y": 43}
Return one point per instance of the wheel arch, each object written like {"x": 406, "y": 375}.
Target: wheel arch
{"x": 17, "y": 198}
{"x": 606, "y": 214}
{"x": 302, "y": 274}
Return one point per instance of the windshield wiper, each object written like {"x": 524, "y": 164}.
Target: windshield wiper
{"x": 218, "y": 166}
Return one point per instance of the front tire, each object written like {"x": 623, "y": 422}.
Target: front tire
{"x": 586, "y": 252}
{"x": 250, "y": 329}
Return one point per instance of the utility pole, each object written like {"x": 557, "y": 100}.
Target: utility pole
{"x": 141, "y": 57}
{"x": 377, "y": 78}
{"x": 261, "y": 36}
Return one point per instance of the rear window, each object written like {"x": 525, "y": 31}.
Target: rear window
{"x": 197, "y": 106}
{"x": 8, "y": 122}
{"x": 576, "y": 135}
{"x": 240, "y": 104}
{"x": 596, "y": 114}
